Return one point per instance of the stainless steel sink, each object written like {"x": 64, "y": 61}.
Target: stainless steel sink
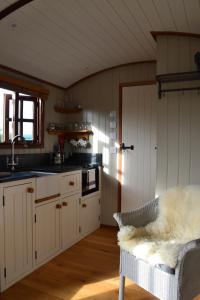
{"x": 5, "y": 174}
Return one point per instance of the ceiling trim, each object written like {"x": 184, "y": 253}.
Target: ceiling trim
{"x": 30, "y": 76}
{"x": 13, "y": 7}
{"x": 174, "y": 33}
{"x": 108, "y": 69}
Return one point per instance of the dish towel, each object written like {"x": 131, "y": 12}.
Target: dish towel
{"x": 91, "y": 179}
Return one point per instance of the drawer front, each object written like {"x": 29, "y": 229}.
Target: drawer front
{"x": 70, "y": 183}
{"x": 47, "y": 186}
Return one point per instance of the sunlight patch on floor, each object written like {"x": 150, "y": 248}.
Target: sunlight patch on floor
{"x": 96, "y": 288}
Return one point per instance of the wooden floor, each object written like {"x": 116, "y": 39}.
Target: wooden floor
{"x": 87, "y": 271}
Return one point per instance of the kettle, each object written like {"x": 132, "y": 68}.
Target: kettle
{"x": 58, "y": 158}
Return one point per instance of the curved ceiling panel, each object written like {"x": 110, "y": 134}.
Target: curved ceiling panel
{"x": 66, "y": 40}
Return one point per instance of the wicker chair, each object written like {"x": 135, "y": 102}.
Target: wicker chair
{"x": 181, "y": 283}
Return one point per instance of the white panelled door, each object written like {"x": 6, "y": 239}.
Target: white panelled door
{"x": 139, "y": 118}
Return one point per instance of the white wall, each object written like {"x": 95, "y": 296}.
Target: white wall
{"x": 178, "y": 159}
{"x": 99, "y": 95}
{"x": 55, "y": 94}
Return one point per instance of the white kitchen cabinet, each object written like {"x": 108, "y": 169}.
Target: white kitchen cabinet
{"x": 47, "y": 231}
{"x": 40, "y": 218}
{"x": 17, "y": 223}
{"x": 69, "y": 220}
{"x": 89, "y": 214}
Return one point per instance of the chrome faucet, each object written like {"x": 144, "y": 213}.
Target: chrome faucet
{"x": 14, "y": 162}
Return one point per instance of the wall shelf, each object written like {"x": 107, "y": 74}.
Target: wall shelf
{"x": 177, "y": 77}
{"x": 65, "y": 110}
{"x": 84, "y": 134}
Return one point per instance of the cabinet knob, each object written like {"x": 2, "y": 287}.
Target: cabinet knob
{"x": 30, "y": 190}
{"x": 84, "y": 205}
{"x": 65, "y": 204}
{"x": 71, "y": 183}
{"x": 58, "y": 206}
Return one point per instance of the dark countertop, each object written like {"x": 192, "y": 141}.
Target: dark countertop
{"x": 20, "y": 174}
{"x": 58, "y": 168}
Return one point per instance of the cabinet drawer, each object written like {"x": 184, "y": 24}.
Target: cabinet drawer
{"x": 70, "y": 183}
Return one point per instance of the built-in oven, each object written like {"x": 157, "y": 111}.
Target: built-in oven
{"x": 90, "y": 180}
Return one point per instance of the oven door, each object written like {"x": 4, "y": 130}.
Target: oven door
{"x": 90, "y": 181}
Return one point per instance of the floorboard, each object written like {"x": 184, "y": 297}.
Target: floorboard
{"x": 87, "y": 271}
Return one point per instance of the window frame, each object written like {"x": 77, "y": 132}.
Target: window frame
{"x": 38, "y": 120}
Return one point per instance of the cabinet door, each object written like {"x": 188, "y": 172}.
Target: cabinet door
{"x": 18, "y": 231}
{"x": 47, "y": 241}
{"x": 89, "y": 214}
{"x": 69, "y": 220}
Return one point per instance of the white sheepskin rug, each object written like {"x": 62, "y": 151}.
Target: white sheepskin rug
{"x": 178, "y": 222}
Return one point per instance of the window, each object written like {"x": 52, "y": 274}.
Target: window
{"x": 21, "y": 114}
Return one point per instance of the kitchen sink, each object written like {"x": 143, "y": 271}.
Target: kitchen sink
{"x": 9, "y": 176}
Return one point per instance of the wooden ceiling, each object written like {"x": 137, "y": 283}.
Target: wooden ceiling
{"x": 6, "y": 3}
{"x": 65, "y": 40}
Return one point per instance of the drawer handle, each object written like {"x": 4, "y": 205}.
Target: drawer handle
{"x": 84, "y": 205}
{"x": 47, "y": 198}
{"x": 58, "y": 206}
{"x": 71, "y": 183}
{"x": 65, "y": 204}
{"x": 30, "y": 190}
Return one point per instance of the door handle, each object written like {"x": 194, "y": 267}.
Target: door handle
{"x": 124, "y": 147}
{"x": 84, "y": 205}
{"x": 64, "y": 204}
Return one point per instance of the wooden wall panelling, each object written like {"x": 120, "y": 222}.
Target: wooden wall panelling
{"x": 153, "y": 142}
{"x": 161, "y": 66}
{"x": 178, "y": 117}
{"x": 161, "y": 182}
{"x": 184, "y": 139}
{"x": 172, "y": 140}
{"x": 195, "y": 140}
{"x": 184, "y": 57}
